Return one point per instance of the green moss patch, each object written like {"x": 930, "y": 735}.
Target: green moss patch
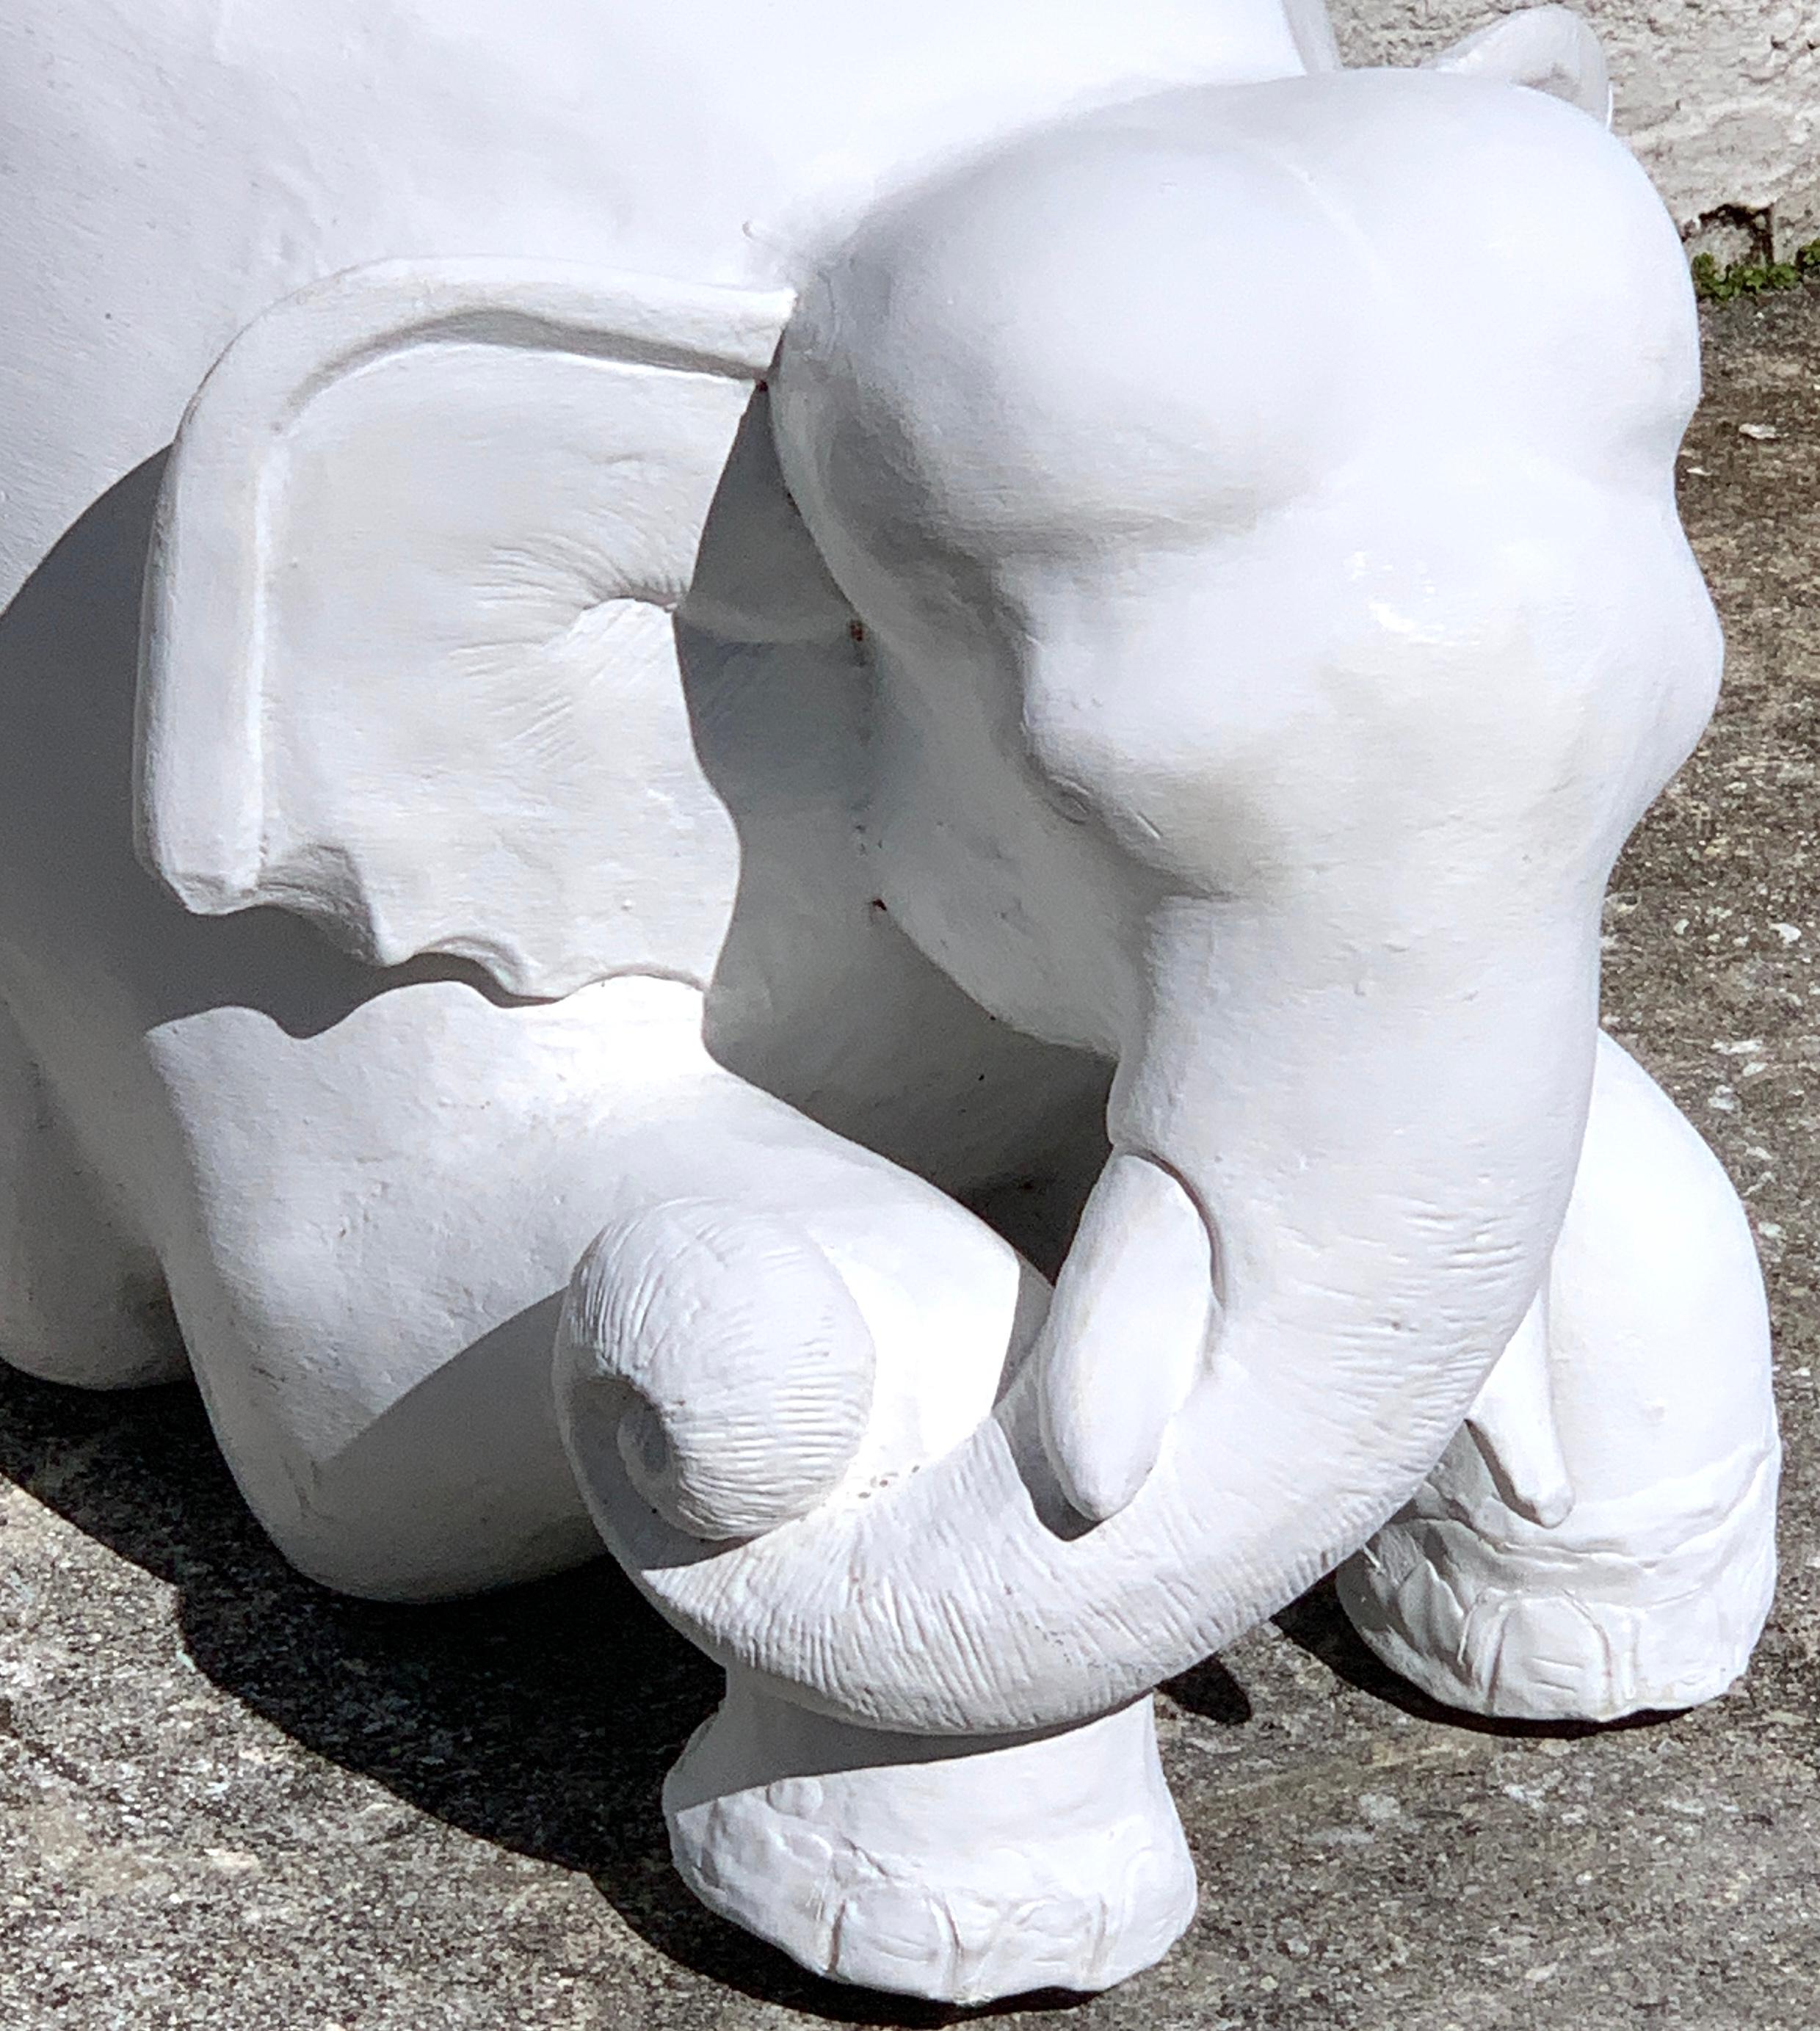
{"x": 1715, "y": 285}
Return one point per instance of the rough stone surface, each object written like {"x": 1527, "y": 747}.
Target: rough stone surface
{"x": 229, "y": 1799}
{"x": 1720, "y": 98}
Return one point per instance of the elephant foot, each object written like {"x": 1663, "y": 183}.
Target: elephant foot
{"x": 1599, "y": 1540}
{"x": 956, "y": 1869}
{"x": 1654, "y": 1602}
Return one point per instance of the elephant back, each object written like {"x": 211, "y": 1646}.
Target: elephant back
{"x": 178, "y": 168}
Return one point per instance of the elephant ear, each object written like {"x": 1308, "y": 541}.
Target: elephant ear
{"x": 1549, "y": 49}
{"x": 409, "y": 665}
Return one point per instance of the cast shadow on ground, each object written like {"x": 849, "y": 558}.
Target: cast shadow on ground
{"x": 541, "y": 1718}
{"x": 1317, "y": 1623}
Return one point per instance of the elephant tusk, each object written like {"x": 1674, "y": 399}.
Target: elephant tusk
{"x": 1512, "y": 1422}
{"x": 1126, "y": 1333}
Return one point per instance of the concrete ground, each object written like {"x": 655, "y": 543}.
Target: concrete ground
{"x": 230, "y": 1800}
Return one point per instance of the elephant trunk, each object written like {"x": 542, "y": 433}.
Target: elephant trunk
{"x": 1341, "y": 1158}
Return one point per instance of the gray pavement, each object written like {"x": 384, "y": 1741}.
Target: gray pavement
{"x": 228, "y": 1799}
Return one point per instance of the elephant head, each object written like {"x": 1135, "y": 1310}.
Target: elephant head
{"x": 1256, "y": 506}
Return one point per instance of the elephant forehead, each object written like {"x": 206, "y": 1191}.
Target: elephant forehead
{"x": 1541, "y": 289}
{"x": 1096, "y": 333}
{"x": 1181, "y": 314}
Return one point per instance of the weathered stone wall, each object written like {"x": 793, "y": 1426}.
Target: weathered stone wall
{"x": 1720, "y": 98}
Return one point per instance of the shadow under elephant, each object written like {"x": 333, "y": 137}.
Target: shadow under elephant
{"x": 541, "y": 1718}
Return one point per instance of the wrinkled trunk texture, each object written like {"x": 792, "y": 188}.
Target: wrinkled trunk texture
{"x": 1379, "y": 1132}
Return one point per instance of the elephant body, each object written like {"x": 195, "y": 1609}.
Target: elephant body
{"x": 202, "y": 1116}
{"x": 188, "y": 168}
{"x": 757, "y": 631}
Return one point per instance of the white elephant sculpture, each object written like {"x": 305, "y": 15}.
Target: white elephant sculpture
{"x": 786, "y": 591}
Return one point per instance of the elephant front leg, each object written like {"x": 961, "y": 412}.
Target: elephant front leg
{"x": 768, "y": 1329}
{"x": 963, "y": 1869}
{"x": 1599, "y": 1538}
{"x": 82, "y": 1297}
